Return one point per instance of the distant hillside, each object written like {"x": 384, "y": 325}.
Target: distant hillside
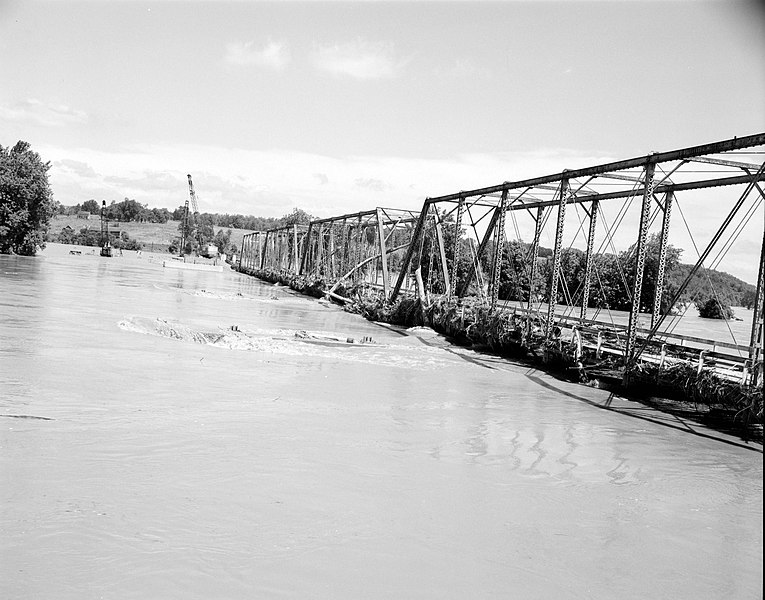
{"x": 730, "y": 289}
{"x": 154, "y": 237}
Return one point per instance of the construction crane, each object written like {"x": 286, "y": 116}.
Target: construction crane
{"x": 194, "y": 226}
{"x": 206, "y": 250}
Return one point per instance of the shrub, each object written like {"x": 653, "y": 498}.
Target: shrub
{"x": 712, "y": 308}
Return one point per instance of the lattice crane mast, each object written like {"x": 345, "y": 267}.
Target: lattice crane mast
{"x": 195, "y": 218}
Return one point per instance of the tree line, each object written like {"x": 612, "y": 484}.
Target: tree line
{"x": 124, "y": 211}
{"x": 712, "y": 292}
{"x": 131, "y": 210}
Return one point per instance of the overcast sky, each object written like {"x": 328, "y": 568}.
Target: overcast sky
{"x": 340, "y": 107}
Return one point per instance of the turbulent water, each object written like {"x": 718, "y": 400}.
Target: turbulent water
{"x": 184, "y": 434}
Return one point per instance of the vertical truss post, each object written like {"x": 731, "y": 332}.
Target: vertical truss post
{"x": 331, "y": 251}
{"x": 442, "y": 254}
{"x": 284, "y": 254}
{"x": 383, "y": 253}
{"x": 534, "y": 266}
{"x": 637, "y": 288}
{"x": 357, "y": 250}
{"x": 589, "y": 258}
{"x": 279, "y": 249}
{"x": 287, "y": 249}
{"x": 564, "y": 190}
{"x": 479, "y": 253}
{"x": 295, "y": 248}
{"x": 320, "y": 251}
{"x": 307, "y": 249}
{"x": 668, "y": 198}
{"x": 344, "y": 247}
{"x": 456, "y": 250}
{"x": 410, "y": 250}
{"x": 758, "y": 322}
{"x": 499, "y": 244}
{"x": 264, "y": 252}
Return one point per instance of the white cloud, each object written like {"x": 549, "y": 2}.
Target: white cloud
{"x": 42, "y": 113}
{"x": 274, "y": 55}
{"x": 359, "y": 60}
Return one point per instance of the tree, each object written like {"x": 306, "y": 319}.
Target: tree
{"x": 67, "y": 236}
{"x": 26, "y": 200}
{"x": 88, "y": 237}
{"x": 222, "y": 240}
{"x": 297, "y": 216}
{"x": 514, "y": 272}
{"x": 91, "y": 206}
{"x": 205, "y": 228}
{"x": 160, "y": 215}
{"x": 651, "y": 273}
{"x": 712, "y": 308}
{"x": 747, "y": 299}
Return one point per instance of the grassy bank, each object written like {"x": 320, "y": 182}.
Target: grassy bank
{"x": 155, "y": 237}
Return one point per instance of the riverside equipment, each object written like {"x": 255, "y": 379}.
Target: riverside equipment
{"x": 106, "y": 246}
{"x": 205, "y": 250}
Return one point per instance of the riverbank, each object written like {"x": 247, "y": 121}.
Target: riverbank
{"x": 679, "y": 389}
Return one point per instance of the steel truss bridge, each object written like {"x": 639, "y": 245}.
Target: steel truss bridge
{"x": 588, "y": 208}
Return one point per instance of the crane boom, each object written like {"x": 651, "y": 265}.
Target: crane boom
{"x": 193, "y": 196}
{"x": 194, "y": 225}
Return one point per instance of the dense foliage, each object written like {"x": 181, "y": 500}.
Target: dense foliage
{"x": 125, "y": 211}
{"x": 26, "y": 200}
{"x": 92, "y": 237}
{"x": 612, "y": 275}
{"x": 712, "y": 308}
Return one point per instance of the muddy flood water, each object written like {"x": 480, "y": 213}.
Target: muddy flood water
{"x": 180, "y": 434}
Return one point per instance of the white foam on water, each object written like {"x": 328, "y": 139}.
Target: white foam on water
{"x": 322, "y": 344}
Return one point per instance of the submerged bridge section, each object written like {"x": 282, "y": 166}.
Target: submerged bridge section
{"x": 484, "y": 245}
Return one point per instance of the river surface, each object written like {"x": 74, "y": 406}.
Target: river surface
{"x": 148, "y": 450}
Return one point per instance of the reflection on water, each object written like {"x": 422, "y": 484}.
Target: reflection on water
{"x": 141, "y": 458}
